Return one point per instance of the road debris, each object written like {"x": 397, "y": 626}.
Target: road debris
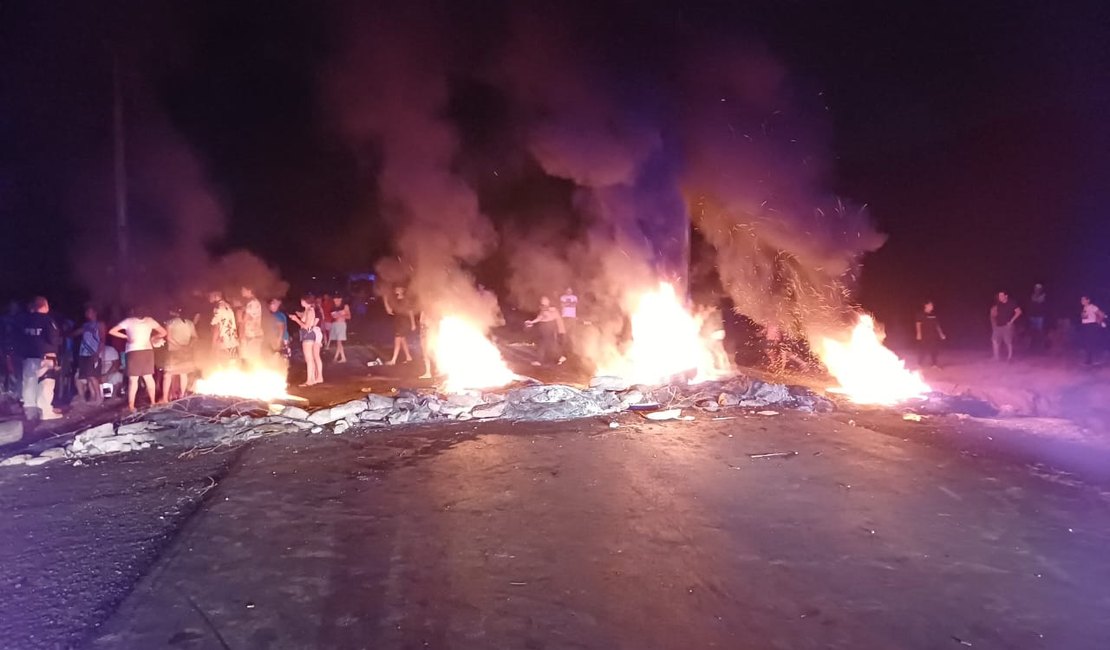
{"x": 912, "y": 417}
{"x": 669, "y": 414}
{"x": 774, "y": 454}
{"x": 200, "y": 423}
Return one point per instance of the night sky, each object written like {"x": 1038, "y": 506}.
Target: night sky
{"x": 975, "y": 132}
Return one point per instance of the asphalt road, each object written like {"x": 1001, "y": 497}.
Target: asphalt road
{"x": 878, "y": 533}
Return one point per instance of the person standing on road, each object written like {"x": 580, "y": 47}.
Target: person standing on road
{"x": 1003, "y": 314}
{"x": 548, "y": 322}
{"x": 1092, "y": 322}
{"x": 929, "y": 335}
{"x": 181, "y": 334}
{"x": 404, "y": 322}
{"x": 250, "y": 334}
{"x": 1038, "y": 312}
{"x": 39, "y": 339}
{"x": 340, "y": 314}
{"x": 277, "y": 330}
{"x": 91, "y": 339}
{"x": 139, "y": 331}
{"x": 568, "y": 303}
{"x": 9, "y": 337}
{"x": 225, "y": 336}
{"x": 312, "y": 338}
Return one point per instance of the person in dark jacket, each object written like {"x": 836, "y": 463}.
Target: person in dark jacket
{"x": 38, "y": 346}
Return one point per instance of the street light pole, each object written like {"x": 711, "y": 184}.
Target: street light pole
{"x": 120, "y": 166}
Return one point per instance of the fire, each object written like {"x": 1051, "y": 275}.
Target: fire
{"x": 257, "y": 383}
{"x": 465, "y": 357}
{"x": 867, "y": 371}
{"x": 667, "y": 340}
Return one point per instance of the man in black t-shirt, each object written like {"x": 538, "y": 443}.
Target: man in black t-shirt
{"x": 1003, "y": 314}
{"x": 929, "y": 335}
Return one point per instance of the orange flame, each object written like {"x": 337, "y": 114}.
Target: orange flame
{"x": 263, "y": 384}
{"x": 667, "y": 340}
{"x": 465, "y": 357}
{"x": 867, "y": 371}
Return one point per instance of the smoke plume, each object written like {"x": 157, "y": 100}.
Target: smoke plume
{"x": 389, "y": 93}
{"x": 654, "y": 129}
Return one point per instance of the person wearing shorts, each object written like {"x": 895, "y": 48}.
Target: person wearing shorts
{"x": 1003, "y": 314}
{"x": 92, "y": 336}
{"x": 340, "y": 314}
{"x": 311, "y": 339}
{"x": 139, "y": 332}
{"x": 404, "y": 322}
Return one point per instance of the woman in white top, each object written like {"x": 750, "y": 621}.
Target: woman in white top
{"x": 312, "y": 338}
{"x": 340, "y": 314}
{"x": 140, "y": 332}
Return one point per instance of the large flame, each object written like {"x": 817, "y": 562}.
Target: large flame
{"x": 667, "y": 340}
{"x": 263, "y": 384}
{"x": 867, "y": 371}
{"x": 465, "y": 357}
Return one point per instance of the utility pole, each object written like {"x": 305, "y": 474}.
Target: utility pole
{"x": 120, "y": 163}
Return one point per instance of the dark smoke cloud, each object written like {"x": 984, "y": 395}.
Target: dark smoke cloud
{"x": 176, "y": 223}
{"x": 389, "y": 93}
{"x": 656, "y": 128}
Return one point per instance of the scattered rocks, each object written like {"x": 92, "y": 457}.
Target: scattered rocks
{"x": 489, "y": 411}
{"x": 338, "y": 412}
{"x": 18, "y": 459}
{"x": 11, "y": 431}
{"x": 294, "y": 413}
{"x": 207, "y": 421}
{"x": 608, "y": 383}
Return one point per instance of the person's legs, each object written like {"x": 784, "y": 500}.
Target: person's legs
{"x": 82, "y": 385}
{"x": 1008, "y": 338}
{"x": 132, "y": 390}
{"x": 309, "y": 362}
{"x": 397, "y": 340}
{"x": 316, "y": 347}
{"x": 46, "y": 399}
{"x": 31, "y": 386}
{"x": 339, "y": 357}
{"x": 148, "y": 380}
{"x": 405, "y": 348}
{"x": 996, "y": 341}
{"x": 167, "y": 386}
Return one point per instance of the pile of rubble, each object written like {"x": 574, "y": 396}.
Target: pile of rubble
{"x": 204, "y": 422}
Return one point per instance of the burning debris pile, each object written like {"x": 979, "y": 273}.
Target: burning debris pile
{"x": 205, "y": 422}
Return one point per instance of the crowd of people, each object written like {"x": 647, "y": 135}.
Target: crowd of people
{"x": 1009, "y": 320}
{"x": 47, "y": 360}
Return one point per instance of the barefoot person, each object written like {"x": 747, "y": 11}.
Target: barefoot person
{"x": 91, "y": 338}
{"x": 312, "y": 339}
{"x": 404, "y": 322}
{"x": 181, "y": 335}
{"x": 340, "y": 315}
{"x": 139, "y": 332}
